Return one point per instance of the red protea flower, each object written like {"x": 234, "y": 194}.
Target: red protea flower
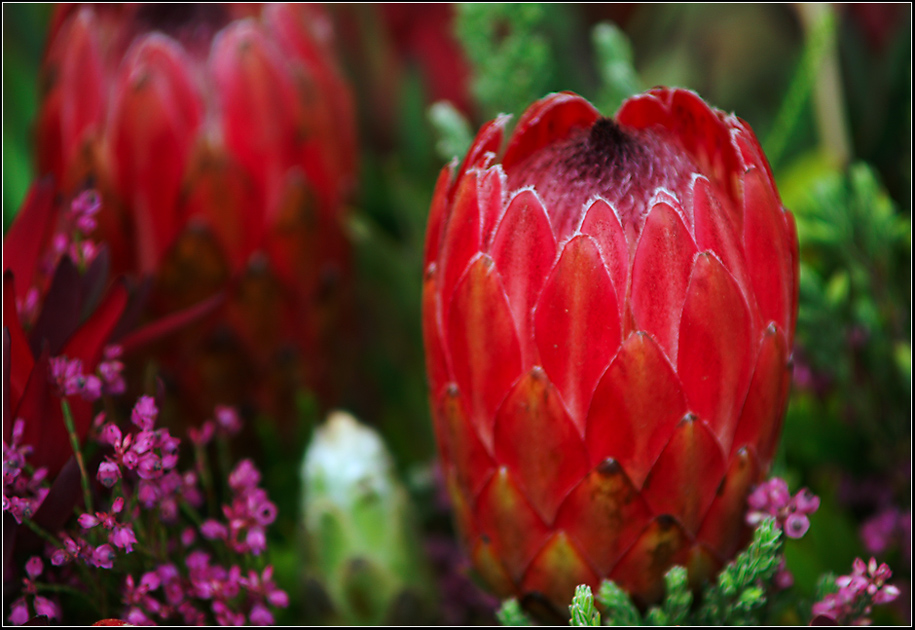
{"x": 222, "y": 140}
{"x": 608, "y": 311}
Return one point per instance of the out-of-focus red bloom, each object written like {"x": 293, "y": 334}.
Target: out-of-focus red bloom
{"x": 222, "y": 140}
{"x": 608, "y": 312}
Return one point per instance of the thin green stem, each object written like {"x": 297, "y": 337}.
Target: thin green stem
{"x": 74, "y": 442}
{"x": 819, "y": 36}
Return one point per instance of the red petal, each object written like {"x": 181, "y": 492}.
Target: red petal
{"x": 491, "y": 569}
{"x": 557, "y": 570}
{"x": 492, "y": 202}
{"x": 537, "y": 440}
{"x": 683, "y": 482}
{"x": 636, "y": 406}
{"x": 602, "y": 224}
{"x": 82, "y": 87}
{"x": 436, "y": 361}
{"x": 701, "y": 130}
{"x": 89, "y": 340}
{"x": 461, "y": 444}
{"x": 484, "y": 348}
{"x": 604, "y": 515}
{"x": 172, "y": 323}
{"x": 461, "y": 239}
{"x": 524, "y": 251}
{"x": 488, "y": 141}
{"x": 154, "y": 120}
{"x": 641, "y": 571}
{"x": 717, "y": 227}
{"x": 660, "y": 275}
{"x": 262, "y": 115}
{"x": 769, "y": 246}
{"x": 577, "y": 324}
{"x": 437, "y": 214}
{"x": 764, "y": 409}
{"x": 29, "y": 234}
{"x": 508, "y": 521}
{"x": 545, "y": 122}
{"x": 21, "y": 359}
{"x": 715, "y": 357}
{"x": 724, "y": 528}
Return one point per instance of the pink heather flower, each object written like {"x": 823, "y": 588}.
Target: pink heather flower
{"x": 188, "y": 536}
{"x": 213, "y": 530}
{"x": 263, "y": 586}
{"x": 225, "y": 616}
{"x": 772, "y": 499}
{"x": 144, "y": 413}
{"x": 28, "y": 306}
{"x": 260, "y": 615}
{"x": 858, "y": 593}
{"x": 202, "y": 436}
{"x": 103, "y": 556}
{"x": 110, "y": 372}
{"x": 83, "y": 210}
{"x": 34, "y": 567}
{"x": 87, "y": 521}
{"x": 879, "y": 531}
{"x": 46, "y": 607}
{"x": 244, "y": 477}
{"x": 227, "y": 419}
{"x": 19, "y": 614}
{"x": 108, "y": 473}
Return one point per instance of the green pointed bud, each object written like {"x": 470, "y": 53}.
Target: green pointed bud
{"x": 359, "y": 526}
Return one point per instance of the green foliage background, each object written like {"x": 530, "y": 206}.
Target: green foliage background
{"x": 764, "y": 62}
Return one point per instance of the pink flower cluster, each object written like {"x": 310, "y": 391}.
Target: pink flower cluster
{"x": 71, "y": 237}
{"x": 858, "y": 593}
{"x": 772, "y": 499}
{"x": 228, "y": 592}
{"x": 70, "y": 379}
{"x": 20, "y": 613}
{"x": 142, "y": 468}
{"x": 22, "y": 492}
{"x": 248, "y": 515}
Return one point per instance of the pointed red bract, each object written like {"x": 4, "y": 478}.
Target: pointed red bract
{"x": 524, "y": 251}
{"x": 636, "y": 406}
{"x": 660, "y": 275}
{"x": 715, "y": 356}
{"x": 576, "y": 324}
{"x": 545, "y": 470}
{"x": 606, "y": 306}
{"x": 484, "y": 347}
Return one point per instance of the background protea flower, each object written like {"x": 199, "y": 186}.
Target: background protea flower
{"x": 608, "y": 311}
{"x": 222, "y": 141}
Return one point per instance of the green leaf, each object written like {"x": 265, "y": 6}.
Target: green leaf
{"x": 614, "y": 63}
{"x": 618, "y": 607}
{"x": 452, "y": 129}
{"x": 582, "y": 608}
{"x": 678, "y": 598}
{"x": 509, "y": 51}
{"x": 510, "y": 614}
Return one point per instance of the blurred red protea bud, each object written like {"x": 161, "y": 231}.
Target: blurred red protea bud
{"x": 608, "y": 312}
{"x": 222, "y": 140}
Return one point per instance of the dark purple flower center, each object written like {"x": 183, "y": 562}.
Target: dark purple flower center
{"x": 624, "y": 166}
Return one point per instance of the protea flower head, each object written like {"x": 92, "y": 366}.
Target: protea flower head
{"x": 222, "y": 140}
{"x": 608, "y": 310}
